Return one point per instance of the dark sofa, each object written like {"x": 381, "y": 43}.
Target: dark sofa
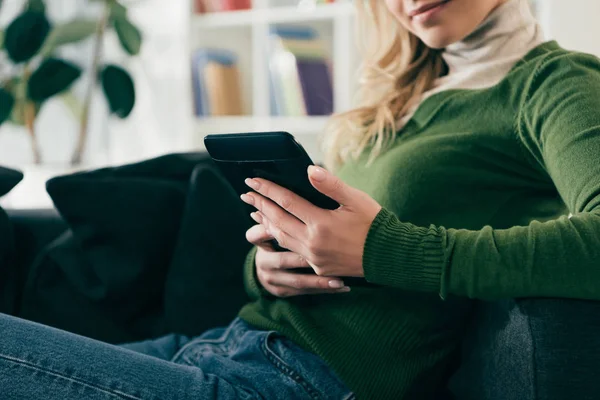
{"x": 515, "y": 349}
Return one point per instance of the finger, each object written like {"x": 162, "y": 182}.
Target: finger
{"x": 286, "y": 199}
{"x": 258, "y": 236}
{"x": 303, "y": 281}
{"x": 331, "y": 186}
{"x": 276, "y": 215}
{"x": 284, "y": 239}
{"x": 287, "y": 260}
{"x": 256, "y": 217}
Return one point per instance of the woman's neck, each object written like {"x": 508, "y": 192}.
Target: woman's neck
{"x": 504, "y": 37}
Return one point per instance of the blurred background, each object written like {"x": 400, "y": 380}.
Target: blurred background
{"x": 134, "y": 79}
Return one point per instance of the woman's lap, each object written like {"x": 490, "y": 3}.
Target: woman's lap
{"x": 163, "y": 348}
{"x": 238, "y": 362}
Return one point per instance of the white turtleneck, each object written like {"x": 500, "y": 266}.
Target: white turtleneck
{"x": 486, "y": 56}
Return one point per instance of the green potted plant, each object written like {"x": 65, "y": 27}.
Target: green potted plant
{"x": 30, "y": 43}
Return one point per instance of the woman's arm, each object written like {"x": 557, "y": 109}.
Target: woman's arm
{"x": 560, "y": 130}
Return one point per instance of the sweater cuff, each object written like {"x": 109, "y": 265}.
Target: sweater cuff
{"x": 253, "y": 287}
{"x": 403, "y": 255}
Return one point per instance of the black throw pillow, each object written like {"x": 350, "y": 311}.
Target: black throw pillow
{"x": 9, "y": 178}
{"x": 204, "y": 287}
{"x": 104, "y": 278}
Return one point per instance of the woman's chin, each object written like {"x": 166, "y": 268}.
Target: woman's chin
{"x": 437, "y": 40}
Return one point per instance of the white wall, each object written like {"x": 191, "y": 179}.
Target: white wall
{"x": 574, "y": 23}
{"x": 161, "y": 120}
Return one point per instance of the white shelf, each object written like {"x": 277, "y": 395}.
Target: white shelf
{"x": 273, "y": 15}
{"x": 297, "y": 125}
{"x": 305, "y": 129}
{"x": 294, "y": 125}
{"x": 246, "y": 33}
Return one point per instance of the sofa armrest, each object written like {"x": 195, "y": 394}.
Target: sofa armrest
{"x": 531, "y": 349}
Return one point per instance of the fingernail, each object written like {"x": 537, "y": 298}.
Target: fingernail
{"x": 259, "y": 217}
{"x": 345, "y": 289}
{"x": 335, "y": 284}
{"x": 254, "y": 184}
{"x": 247, "y": 199}
{"x": 316, "y": 173}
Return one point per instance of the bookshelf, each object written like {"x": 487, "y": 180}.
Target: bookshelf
{"x": 246, "y": 33}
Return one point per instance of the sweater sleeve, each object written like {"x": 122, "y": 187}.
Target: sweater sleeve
{"x": 253, "y": 287}
{"x": 559, "y": 127}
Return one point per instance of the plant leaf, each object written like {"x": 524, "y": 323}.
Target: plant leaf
{"x": 36, "y": 6}
{"x": 25, "y": 35}
{"x": 129, "y": 35}
{"x": 7, "y": 102}
{"x": 1, "y": 38}
{"x": 119, "y": 90}
{"x": 117, "y": 11}
{"x": 53, "y": 76}
{"x": 69, "y": 32}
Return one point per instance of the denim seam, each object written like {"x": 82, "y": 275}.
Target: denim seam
{"x": 286, "y": 369}
{"x": 110, "y": 392}
{"x": 533, "y": 355}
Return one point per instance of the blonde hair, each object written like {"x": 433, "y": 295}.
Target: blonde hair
{"x": 397, "y": 69}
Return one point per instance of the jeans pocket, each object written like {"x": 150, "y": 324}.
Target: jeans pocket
{"x": 216, "y": 341}
{"x": 306, "y": 369}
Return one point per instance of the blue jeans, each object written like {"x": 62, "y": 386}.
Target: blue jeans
{"x": 237, "y": 362}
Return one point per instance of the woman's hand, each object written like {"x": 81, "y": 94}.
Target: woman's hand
{"x": 331, "y": 242}
{"x": 286, "y": 274}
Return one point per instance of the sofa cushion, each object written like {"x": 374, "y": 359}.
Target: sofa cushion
{"x": 497, "y": 355}
{"x": 204, "y": 286}
{"x": 112, "y": 262}
{"x": 566, "y": 347}
{"x": 531, "y": 349}
{"x": 9, "y": 178}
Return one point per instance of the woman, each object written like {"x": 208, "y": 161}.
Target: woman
{"x": 454, "y": 177}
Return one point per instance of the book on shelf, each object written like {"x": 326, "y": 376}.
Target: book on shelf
{"x": 300, "y": 73}
{"x": 211, "y": 6}
{"x": 216, "y": 83}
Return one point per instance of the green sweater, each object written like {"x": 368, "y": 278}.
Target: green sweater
{"x": 476, "y": 192}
